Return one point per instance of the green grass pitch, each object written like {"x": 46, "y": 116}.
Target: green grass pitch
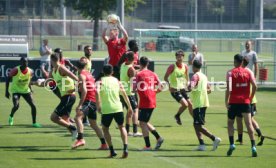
{"x": 49, "y": 147}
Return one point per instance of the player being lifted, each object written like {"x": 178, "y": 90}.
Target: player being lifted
{"x": 177, "y": 78}
{"x": 87, "y": 105}
{"x": 20, "y": 78}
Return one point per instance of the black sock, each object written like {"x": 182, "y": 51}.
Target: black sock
{"x": 147, "y": 141}
{"x": 134, "y": 128}
{"x": 125, "y": 147}
{"x": 80, "y": 136}
{"x": 127, "y": 128}
{"x": 258, "y": 132}
{"x": 72, "y": 128}
{"x": 201, "y": 141}
{"x": 212, "y": 137}
{"x": 240, "y": 137}
{"x": 111, "y": 149}
{"x": 253, "y": 143}
{"x": 155, "y": 133}
{"x": 231, "y": 140}
{"x": 102, "y": 140}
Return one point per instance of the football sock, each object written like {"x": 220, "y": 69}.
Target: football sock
{"x": 155, "y": 133}
{"x": 134, "y": 128}
{"x": 80, "y": 136}
{"x": 102, "y": 140}
{"x": 253, "y": 143}
{"x": 201, "y": 141}
{"x": 240, "y": 137}
{"x": 258, "y": 132}
{"x": 127, "y": 128}
{"x": 147, "y": 141}
{"x": 231, "y": 140}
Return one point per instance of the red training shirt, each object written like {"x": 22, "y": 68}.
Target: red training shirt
{"x": 116, "y": 48}
{"x": 90, "y": 86}
{"x": 145, "y": 83}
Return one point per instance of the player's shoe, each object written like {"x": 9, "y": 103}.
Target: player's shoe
{"x": 254, "y": 152}
{"x": 74, "y": 134}
{"x": 103, "y": 147}
{"x": 112, "y": 154}
{"x": 36, "y": 125}
{"x": 231, "y": 149}
{"x": 159, "y": 143}
{"x": 216, "y": 143}
{"x": 10, "y": 120}
{"x": 137, "y": 134}
{"x": 201, "y": 148}
{"x": 78, "y": 143}
{"x": 129, "y": 134}
{"x": 177, "y": 119}
{"x": 261, "y": 141}
{"x": 125, "y": 155}
{"x": 146, "y": 149}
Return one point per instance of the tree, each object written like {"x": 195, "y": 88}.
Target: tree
{"x": 94, "y": 9}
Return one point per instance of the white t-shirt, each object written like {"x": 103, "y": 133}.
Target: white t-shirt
{"x": 198, "y": 57}
{"x": 45, "y": 57}
{"x": 252, "y": 56}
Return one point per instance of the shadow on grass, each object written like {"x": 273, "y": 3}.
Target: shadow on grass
{"x": 75, "y": 158}
{"x": 34, "y": 148}
{"x": 195, "y": 156}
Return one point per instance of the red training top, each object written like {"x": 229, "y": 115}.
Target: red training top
{"x": 90, "y": 86}
{"x": 145, "y": 83}
{"x": 239, "y": 85}
{"x": 116, "y": 48}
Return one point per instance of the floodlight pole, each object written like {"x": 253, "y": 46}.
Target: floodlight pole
{"x": 196, "y": 11}
{"x": 63, "y": 17}
{"x": 121, "y": 12}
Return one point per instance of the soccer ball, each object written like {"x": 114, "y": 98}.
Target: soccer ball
{"x": 112, "y": 18}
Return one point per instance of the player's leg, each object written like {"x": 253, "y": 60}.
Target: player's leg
{"x": 134, "y": 106}
{"x": 92, "y": 117}
{"x": 240, "y": 129}
{"x": 256, "y": 125}
{"x": 119, "y": 118}
{"x": 78, "y": 120}
{"x": 15, "y": 101}
{"x": 106, "y": 121}
{"x": 232, "y": 111}
{"x": 197, "y": 126}
{"x": 29, "y": 99}
{"x": 248, "y": 122}
{"x": 190, "y": 107}
{"x": 143, "y": 119}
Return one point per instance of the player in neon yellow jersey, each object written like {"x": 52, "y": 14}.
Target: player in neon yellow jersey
{"x": 253, "y": 113}
{"x": 20, "y": 86}
{"x": 64, "y": 80}
{"x": 109, "y": 104}
{"x": 177, "y": 78}
{"x": 127, "y": 72}
{"x": 199, "y": 95}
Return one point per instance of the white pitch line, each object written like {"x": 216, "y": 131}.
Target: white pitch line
{"x": 155, "y": 154}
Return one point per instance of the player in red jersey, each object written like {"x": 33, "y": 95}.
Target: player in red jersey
{"x": 237, "y": 100}
{"x": 116, "y": 46}
{"x": 145, "y": 84}
{"x": 87, "y": 105}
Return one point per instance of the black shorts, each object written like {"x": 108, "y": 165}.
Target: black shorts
{"x": 199, "y": 115}
{"x": 107, "y": 118}
{"x": 89, "y": 109}
{"x": 133, "y": 102}
{"x": 145, "y": 114}
{"x": 65, "y": 105}
{"x": 236, "y": 110}
{"x": 179, "y": 95}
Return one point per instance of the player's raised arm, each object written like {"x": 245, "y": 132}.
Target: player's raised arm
{"x": 104, "y": 36}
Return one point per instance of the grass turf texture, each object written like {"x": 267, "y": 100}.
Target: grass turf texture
{"x": 24, "y": 146}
